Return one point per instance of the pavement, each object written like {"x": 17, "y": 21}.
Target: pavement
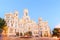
{"x": 33, "y": 38}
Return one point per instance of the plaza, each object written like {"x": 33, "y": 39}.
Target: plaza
{"x": 34, "y": 38}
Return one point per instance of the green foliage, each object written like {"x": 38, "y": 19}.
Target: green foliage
{"x": 56, "y": 32}
{"x": 2, "y": 23}
{"x": 29, "y": 33}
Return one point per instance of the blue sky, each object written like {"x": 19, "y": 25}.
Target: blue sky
{"x": 49, "y": 10}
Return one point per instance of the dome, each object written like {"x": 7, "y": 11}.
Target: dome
{"x": 58, "y": 26}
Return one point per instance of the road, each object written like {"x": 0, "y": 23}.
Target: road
{"x": 33, "y": 38}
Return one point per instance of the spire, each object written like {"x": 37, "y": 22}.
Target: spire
{"x": 25, "y": 12}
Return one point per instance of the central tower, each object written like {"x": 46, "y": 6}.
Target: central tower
{"x": 25, "y": 12}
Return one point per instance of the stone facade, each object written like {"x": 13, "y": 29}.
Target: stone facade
{"x": 12, "y": 22}
{"x": 44, "y": 29}
{"x": 25, "y": 24}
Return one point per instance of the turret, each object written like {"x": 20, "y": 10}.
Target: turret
{"x": 40, "y": 19}
{"x": 16, "y": 13}
{"x": 25, "y": 12}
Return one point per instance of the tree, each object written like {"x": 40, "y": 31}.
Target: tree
{"x": 5, "y": 29}
{"x": 2, "y": 24}
{"x": 29, "y": 33}
{"x": 56, "y": 32}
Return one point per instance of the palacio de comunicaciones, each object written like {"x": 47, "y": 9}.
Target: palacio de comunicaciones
{"x": 25, "y": 24}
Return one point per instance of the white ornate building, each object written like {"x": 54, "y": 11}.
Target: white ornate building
{"x": 25, "y": 24}
{"x": 44, "y": 29}
{"x": 12, "y": 22}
